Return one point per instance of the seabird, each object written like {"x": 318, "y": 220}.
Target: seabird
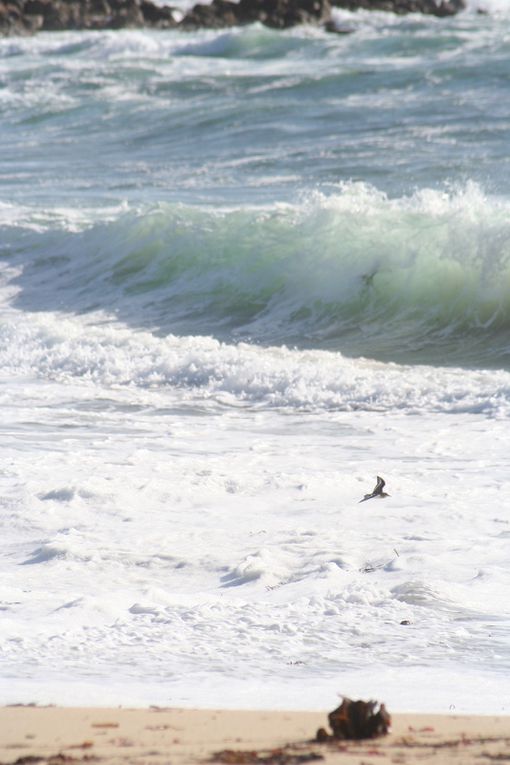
{"x": 378, "y": 491}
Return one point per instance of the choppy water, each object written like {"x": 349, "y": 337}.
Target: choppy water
{"x": 242, "y": 273}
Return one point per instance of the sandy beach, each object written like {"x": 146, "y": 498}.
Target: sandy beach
{"x": 155, "y": 736}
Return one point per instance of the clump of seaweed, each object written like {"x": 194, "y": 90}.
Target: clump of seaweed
{"x": 356, "y": 720}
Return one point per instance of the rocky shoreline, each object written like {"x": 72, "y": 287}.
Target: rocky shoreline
{"x": 25, "y": 17}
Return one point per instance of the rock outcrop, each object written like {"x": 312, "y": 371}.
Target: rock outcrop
{"x": 18, "y": 17}
{"x": 278, "y": 14}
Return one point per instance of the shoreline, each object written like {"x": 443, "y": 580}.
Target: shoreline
{"x": 159, "y": 735}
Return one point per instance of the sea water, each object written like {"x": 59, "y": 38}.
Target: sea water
{"x": 243, "y": 273}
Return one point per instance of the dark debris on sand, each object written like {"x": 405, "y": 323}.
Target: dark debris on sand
{"x": 280, "y": 756}
{"x": 356, "y": 720}
{"x": 53, "y": 759}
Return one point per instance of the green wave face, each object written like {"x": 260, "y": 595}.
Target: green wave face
{"x": 419, "y": 279}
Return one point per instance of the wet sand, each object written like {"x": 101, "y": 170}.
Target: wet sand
{"x": 158, "y": 736}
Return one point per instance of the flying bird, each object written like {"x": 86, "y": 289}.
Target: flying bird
{"x": 378, "y": 491}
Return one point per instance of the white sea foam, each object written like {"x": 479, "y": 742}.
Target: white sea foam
{"x": 71, "y": 219}
{"x": 158, "y": 525}
{"x": 177, "y": 546}
{"x": 203, "y": 368}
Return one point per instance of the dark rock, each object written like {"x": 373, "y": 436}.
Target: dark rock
{"x": 126, "y": 13}
{"x": 430, "y": 7}
{"x": 13, "y": 20}
{"x": 33, "y": 22}
{"x": 281, "y": 14}
{"x": 27, "y": 16}
{"x": 278, "y": 14}
{"x": 157, "y": 15}
{"x": 332, "y": 26}
{"x": 217, "y": 15}
{"x": 55, "y": 15}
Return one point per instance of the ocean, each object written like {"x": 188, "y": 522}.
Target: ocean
{"x": 243, "y": 273}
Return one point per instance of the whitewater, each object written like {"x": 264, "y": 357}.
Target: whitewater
{"x": 242, "y": 273}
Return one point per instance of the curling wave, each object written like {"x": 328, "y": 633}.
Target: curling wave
{"x": 420, "y": 279}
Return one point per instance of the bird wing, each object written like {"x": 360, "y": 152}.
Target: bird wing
{"x": 380, "y": 485}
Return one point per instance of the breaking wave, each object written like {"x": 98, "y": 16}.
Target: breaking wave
{"x": 420, "y": 279}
